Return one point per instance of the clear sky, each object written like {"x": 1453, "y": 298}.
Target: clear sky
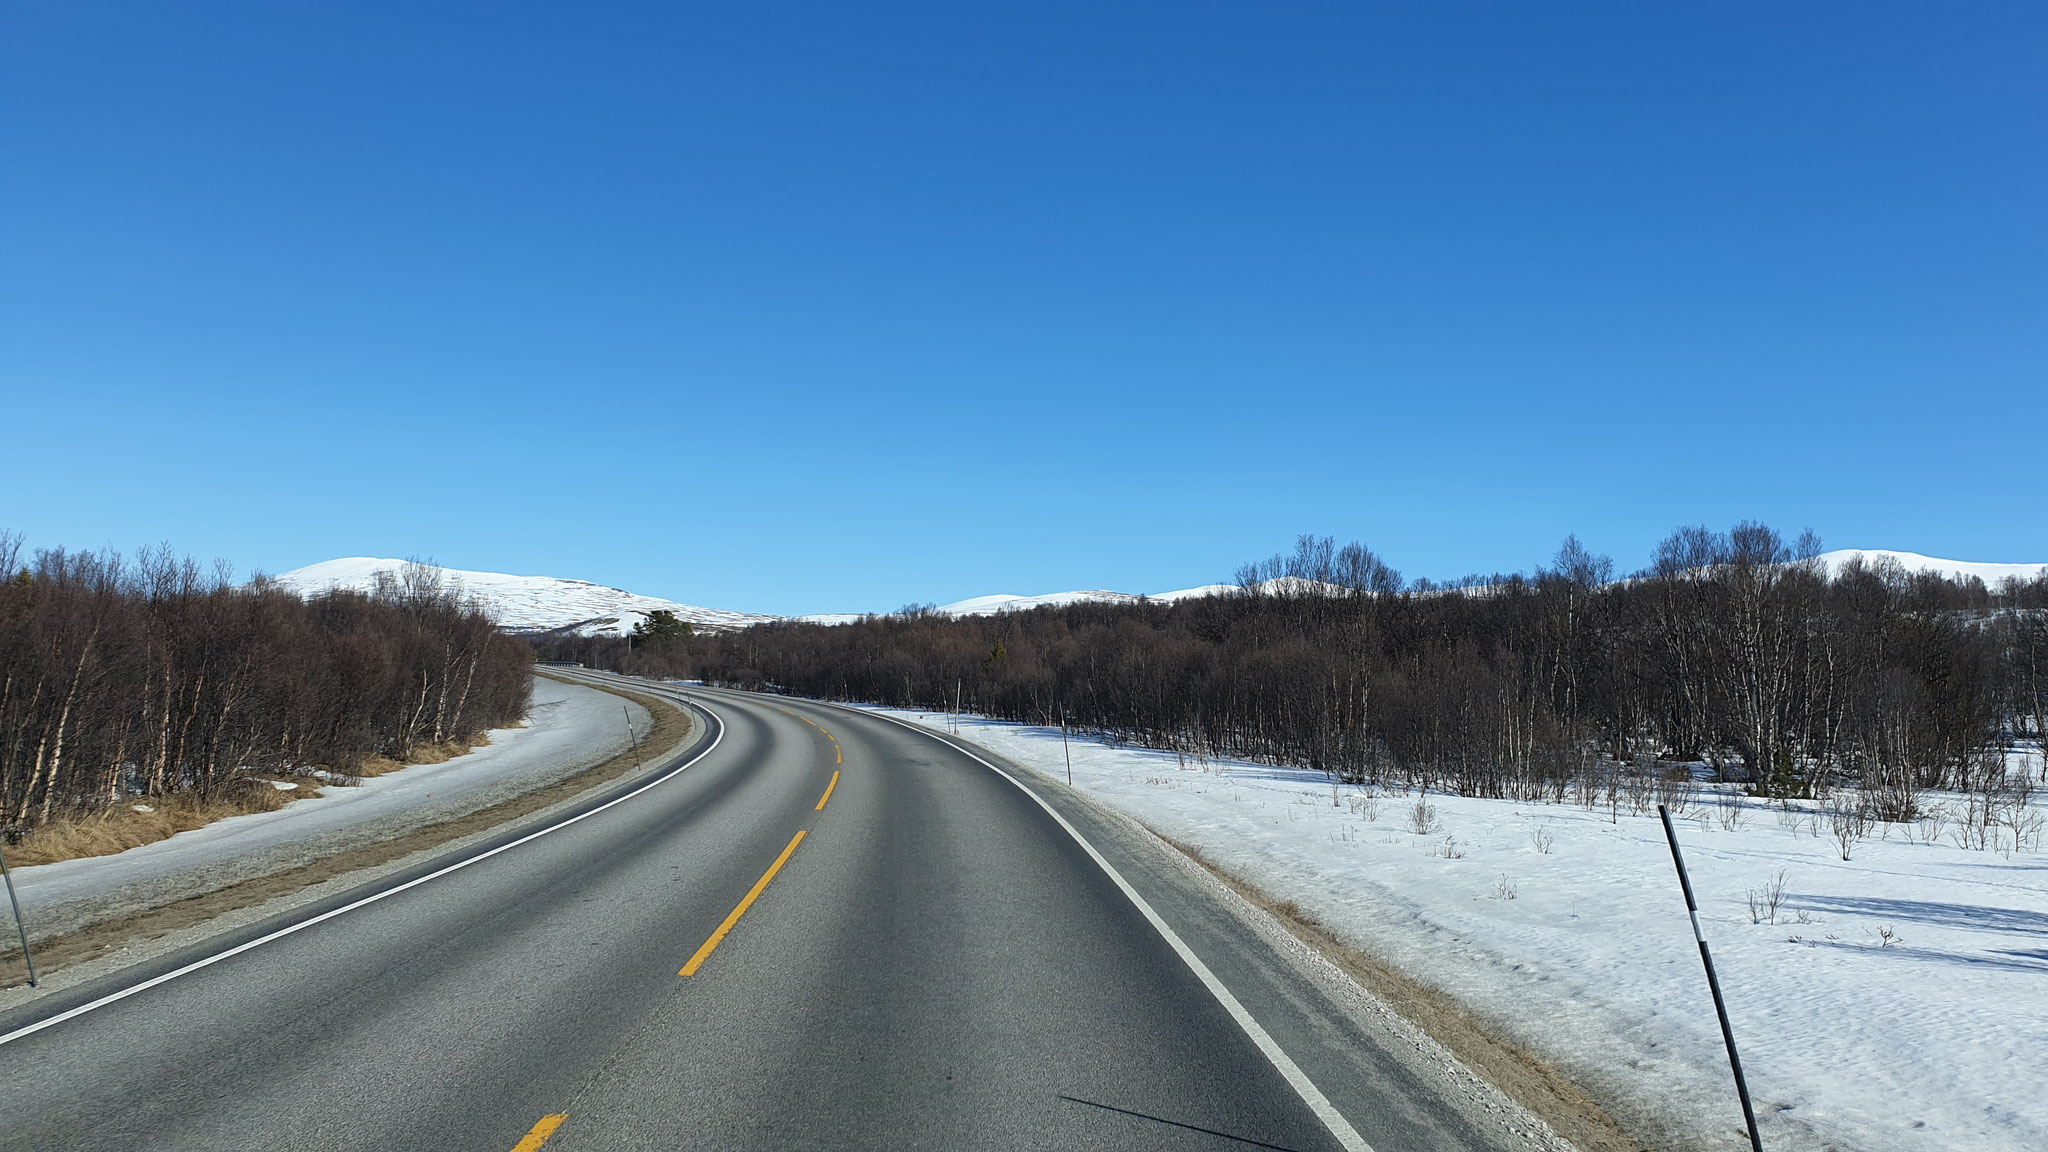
{"x": 823, "y": 307}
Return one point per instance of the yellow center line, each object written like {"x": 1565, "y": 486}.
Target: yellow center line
{"x": 828, "y": 791}
{"x": 539, "y": 1133}
{"x": 838, "y": 754}
{"x": 711, "y": 945}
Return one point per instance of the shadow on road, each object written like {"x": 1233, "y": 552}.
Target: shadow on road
{"x": 1245, "y": 1140}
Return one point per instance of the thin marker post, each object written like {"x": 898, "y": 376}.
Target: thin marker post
{"x": 1065, "y": 749}
{"x": 19, "y": 925}
{"x": 1692, "y": 909}
{"x": 633, "y": 736}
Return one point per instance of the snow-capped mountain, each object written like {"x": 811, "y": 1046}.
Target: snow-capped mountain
{"x": 547, "y": 603}
{"x": 990, "y": 605}
{"x": 525, "y": 603}
{"x": 1991, "y": 574}
{"x": 1004, "y": 602}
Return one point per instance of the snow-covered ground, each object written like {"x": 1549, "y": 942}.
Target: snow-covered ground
{"x": 524, "y": 603}
{"x": 1898, "y": 1001}
{"x": 568, "y": 728}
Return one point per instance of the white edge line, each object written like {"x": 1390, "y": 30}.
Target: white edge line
{"x": 1284, "y": 1064}
{"x": 238, "y": 949}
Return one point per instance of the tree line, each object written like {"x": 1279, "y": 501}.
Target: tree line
{"x": 1737, "y": 649}
{"x": 139, "y": 678}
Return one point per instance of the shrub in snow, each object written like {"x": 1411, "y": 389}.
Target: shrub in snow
{"x": 1733, "y": 814}
{"x": 1366, "y": 804}
{"x": 1849, "y": 820}
{"x": 1764, "y": 901}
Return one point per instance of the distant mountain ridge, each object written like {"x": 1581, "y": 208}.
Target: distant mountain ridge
{"x": 525, "y": 603}
{"x": 1991, "y": 574}
{"x": 549, "y": 603}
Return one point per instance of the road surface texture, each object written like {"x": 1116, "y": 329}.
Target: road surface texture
{"x": 889, "y": 943}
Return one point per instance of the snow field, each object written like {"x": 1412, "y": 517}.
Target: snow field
{"x": 1897, "y": 1000}
{"x": 522, "y": 603}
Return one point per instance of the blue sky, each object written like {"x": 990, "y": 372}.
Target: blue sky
{"x": 834, "y": 307}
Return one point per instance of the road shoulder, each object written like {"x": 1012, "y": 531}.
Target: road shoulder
{"x": 92, "y": 952}
{"x": 1496, "y": 1088}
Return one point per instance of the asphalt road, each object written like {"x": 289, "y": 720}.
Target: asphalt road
{"x": 937, "y": 962}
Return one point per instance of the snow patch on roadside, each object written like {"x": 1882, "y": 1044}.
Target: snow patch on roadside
{"x": 1898, "y": 1002}
{"x": 569, "y": 727}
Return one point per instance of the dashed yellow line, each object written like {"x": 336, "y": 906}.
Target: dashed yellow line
{"x": 539, "y": 1133}
{"x": 547, "y": 1126}
{"x": 711, "y": 945}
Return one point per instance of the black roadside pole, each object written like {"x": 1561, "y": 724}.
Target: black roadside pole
{"x": 633, "y": 736}
{"x": 1063, "y": 748}
{"x": 1692, "y": 909}
{"x": 19, "y": 925}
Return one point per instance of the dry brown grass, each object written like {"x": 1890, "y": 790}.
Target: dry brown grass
{"x": 1288, "y": 910}
{"x": 425, "y": 754}
{"x": 435, "y": 753}
{"x": 123, "y": 827}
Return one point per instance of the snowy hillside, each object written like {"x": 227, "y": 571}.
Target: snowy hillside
{"x": 989, "y": 605}
{"x": 544, "y": 603}
{"x": 1991, "y": 574}
{"x": 1002, "y": 602}
{"x": 525, "y": 603}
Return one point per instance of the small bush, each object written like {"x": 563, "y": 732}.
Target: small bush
{"x": 1366, "y": 804}
{"x": 1764, "y": 901}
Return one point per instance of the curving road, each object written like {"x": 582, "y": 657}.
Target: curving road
{"x": 890, "y": 943}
